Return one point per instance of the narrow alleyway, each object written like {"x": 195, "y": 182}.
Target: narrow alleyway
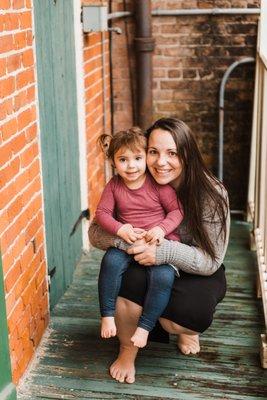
{"x": 72, "y": 361}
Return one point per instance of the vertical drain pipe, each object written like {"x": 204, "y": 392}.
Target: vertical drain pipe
{"x": 221, "y": 110}
{"x": 144, "y": 45}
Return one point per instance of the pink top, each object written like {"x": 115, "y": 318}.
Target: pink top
{"x": 149, "y": 206}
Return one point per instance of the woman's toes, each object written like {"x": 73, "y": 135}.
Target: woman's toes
{"x": 130, "y": 379}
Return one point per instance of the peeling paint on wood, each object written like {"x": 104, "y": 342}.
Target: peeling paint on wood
{"x": 73, "y": 361}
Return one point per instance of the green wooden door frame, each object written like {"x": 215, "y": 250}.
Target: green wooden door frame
{"x": 7, "y": 388}
{"x": 57, "y": 93}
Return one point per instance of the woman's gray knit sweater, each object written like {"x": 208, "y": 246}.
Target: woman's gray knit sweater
{"x": 185, "y": 255}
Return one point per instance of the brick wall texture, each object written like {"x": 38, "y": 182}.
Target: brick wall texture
{"x": 97, "y": 91}
{"x": 191, "y": 55}
{"x": 21, "y": 216}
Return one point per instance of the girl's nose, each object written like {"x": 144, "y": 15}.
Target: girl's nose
{"x": 131, "y": 164}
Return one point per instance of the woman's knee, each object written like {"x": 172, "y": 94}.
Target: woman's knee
{"x": 174, "y": 328}
{"x": 125, "y": 307}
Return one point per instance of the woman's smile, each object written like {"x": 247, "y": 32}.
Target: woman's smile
{"x": 162, "y": 158}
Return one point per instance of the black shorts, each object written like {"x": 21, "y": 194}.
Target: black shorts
{"x": 193, "y": 299}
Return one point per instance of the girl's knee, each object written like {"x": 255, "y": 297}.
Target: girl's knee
{"x": 114, "y": 258}
{"x": 163, "y": 276}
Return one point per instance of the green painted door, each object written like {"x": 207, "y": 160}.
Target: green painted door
{"x": 7, "y": 388}
{"x": 56, "y": 76}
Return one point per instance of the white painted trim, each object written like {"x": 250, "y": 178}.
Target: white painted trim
{"x": 78, "y": 37}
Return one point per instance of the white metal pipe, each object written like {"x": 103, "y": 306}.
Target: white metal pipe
{"x": 193, "y": 11}
{"x": 119, "y": 14}
{"x": 205, "y": 11}
{"x": 221, "y": 110}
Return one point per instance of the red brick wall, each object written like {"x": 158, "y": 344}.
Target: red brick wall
{"x": 123, "y": 68}
{"x": 191, "y": 55}
{"x": 94, "y": 95}
{"x": 21, "y": 216}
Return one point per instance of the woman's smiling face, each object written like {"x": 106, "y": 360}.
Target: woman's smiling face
{"x": 162, "y": 158}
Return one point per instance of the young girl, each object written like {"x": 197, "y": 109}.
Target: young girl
{"x": 134, "y": 206}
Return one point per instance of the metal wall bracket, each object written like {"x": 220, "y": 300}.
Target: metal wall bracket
{"x": 94, "y": 18}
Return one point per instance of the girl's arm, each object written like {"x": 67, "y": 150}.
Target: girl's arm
{"x": 105, "y": 209}
{"x": 172, "y": 207}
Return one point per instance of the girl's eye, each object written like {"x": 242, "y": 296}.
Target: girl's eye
{"x": 122, "y": 159}
{"x": 138, "y": 158}
{"x": 152, "y": 152}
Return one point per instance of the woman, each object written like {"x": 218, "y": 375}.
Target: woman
{"x": 173, "y": 157}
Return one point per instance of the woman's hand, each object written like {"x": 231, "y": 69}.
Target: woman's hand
{"x": 143, "y": 252}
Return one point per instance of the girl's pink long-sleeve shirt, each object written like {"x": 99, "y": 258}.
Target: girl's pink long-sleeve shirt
{"x": 149, "y": 206}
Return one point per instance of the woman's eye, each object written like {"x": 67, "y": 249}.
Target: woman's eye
{"x": 152, "y": 152}
{"x": 172, "y": 154}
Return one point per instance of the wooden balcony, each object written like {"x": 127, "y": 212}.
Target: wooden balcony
{"x": 72, "y": 361}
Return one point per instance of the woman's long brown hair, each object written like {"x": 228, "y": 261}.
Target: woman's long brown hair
{"x": 198, "y": 187}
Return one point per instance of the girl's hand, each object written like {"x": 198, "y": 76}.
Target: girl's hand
{"x": 155, "y": 235}
{"x": 143, "y": 253}
{"x": 127, "y": 233}
{"x": 141, "y": 233}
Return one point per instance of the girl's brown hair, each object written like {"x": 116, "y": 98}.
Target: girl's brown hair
{"x": 132, "y": 138}
{"x": 198, "y": 186}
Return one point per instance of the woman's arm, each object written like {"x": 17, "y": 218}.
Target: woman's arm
{"x": 189, "y": 258}
{"x": 99, "y": 238}
{"x": 193, "y": 259}
{"x": 102, "y": 240}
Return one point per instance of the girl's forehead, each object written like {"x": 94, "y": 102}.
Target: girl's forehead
{"x": 127, "y": 152}
{"x": 161, "y": 139}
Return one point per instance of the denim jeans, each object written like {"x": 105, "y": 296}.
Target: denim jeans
{"x": 160, "y": 279}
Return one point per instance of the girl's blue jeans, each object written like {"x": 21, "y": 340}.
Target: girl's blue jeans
{"x": 159, "y": 285}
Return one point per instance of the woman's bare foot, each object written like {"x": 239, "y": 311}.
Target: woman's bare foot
{"x": 108, "y": 327}
{"x": 188, "y": 344}
{"x": 123, "y": 369}
{"x": 139, "y": 337}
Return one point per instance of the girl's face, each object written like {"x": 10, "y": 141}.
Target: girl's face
{"x": 162, "y": 159}
{"x": 131, "y": 166}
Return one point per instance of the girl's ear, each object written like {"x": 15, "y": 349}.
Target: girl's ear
{"x": 104, "y": 141}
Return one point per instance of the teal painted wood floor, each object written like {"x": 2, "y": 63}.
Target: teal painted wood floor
{"x": 72, "y": 361}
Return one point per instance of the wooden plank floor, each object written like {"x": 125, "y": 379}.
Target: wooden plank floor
{"x": 73, "y": 361}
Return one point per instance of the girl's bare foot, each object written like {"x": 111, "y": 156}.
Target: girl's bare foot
{"x": 108, "y": 327}
{"x": 139, "y": 337}
{"x": 188, "y": 344}
{"x": 123, "y": 369}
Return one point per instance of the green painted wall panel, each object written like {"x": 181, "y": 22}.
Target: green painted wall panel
{"x": 54, "y": 29}
{"x": 7, "y": 388}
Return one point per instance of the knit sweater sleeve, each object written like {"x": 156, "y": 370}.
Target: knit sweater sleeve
{"x": 102, "y": 240}
{"x": 191, "y": 258}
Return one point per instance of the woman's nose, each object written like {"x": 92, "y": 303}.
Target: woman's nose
{"x": 161, "y": 160}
